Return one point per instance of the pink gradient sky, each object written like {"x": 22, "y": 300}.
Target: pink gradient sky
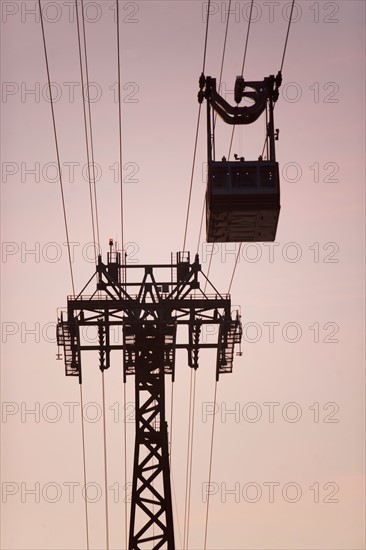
{"x": 161, "y": 61}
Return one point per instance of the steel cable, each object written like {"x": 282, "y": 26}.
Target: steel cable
{"x": 85, "y": 127}
{"x": 57, "y": 147}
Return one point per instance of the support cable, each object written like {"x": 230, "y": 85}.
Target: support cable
{"x": 70, "y": 263}
{"x": 287, "y": 35}
{"x": 209, "y": 268}
{"x": 105, "y": 466}
{"x": 242, "y": 72}
{"x": 265, "y": 141}
{"x": 125, "y": 499}
{"x": 191, "y": 454}
{"x": 247, "y": 38}
{"x": 120, "y": 124}
{"x": 210, "y": 464}
{"x": 242, "y": 68}
{"x": 176, "y": 507}
{"x": 125, "y": 464}
{"x": 235, "y": 265}
{"x": 171, "y": 424}
{"x": 184, "y": 246}
{"x": 90, "y": 127}
{"x": 223, "y": 51}
{"x": 206, "y": 36}
{"x": 85, "y": 127}
{"x": 214, "y": 124}
{"x": 192, "y": 396}
{"x": 187, "y": 467}
{"x": 236, "y": 261}
{"x": 201, "y": 224}
{"x": 94, "y": 218}
{"x": 170, "y": 460}
{"x": 197, "y": 129}
{"x": 192, "y": 175}
{"x": 189, "y": 457}
{"x": 283, "y": 57}
{"x": 84, "y": 466}
{"x": 57, "y": 148}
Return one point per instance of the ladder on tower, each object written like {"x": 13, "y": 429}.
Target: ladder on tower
{"x": 227, "y": 341}
{"x": 69, "y": 343}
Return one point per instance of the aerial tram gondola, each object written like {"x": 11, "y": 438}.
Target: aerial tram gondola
{"x": 243, "y": 197}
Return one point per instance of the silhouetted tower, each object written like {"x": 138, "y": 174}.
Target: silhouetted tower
{"x": 150, "y": 310}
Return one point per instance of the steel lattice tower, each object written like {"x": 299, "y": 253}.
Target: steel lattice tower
{"x": 150, "y": 312}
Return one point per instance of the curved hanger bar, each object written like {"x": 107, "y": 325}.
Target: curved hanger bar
{"x": 258, "y": 91}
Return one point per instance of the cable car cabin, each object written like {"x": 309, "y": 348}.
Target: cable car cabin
{"x": 242, "y": 201}
{"x": 243, "y": 197}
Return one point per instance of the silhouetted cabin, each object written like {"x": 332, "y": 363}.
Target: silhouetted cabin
{"x": 242, "y": 201}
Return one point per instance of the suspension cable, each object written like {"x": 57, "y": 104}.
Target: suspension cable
{"x": 201, "y": 224}
{"x": 242, "y": 68}
{"x": 70, "y": 263}
{"x": 171, "y": 423}
{"x": 191, "y": 457}
{"x": 210, "y": 463}
{"x": 265, "y": 141}
{"x": 287, "y": 34}
{"x": 197, "y": 129}
{"x": 120, "y": 124}
{"x": 187, "y": 466}
{"x": 242, "y": 72}
{"x": 209, "y": 267}
{"x": 206, "y": 36}
{"x": 215, "y": 118}
{"x": 105, "y": 466}
{"x": 184, "y": 247}
{"x": 57, "y": 148}
{"x": 177, "y": 521}
{"x": 85, "y": 127}
{"x": 224, "y": 48}
{"x": 235, "y": 265}
{"x": 247, "y": 38}
{"x": 125, "y": 462}
{"x": 170, "y": 459}
{"x": 192, "y": 399}
{"x": 122, "y": 248}
{"x": 231, "y": 142}
{"x": 84, "y": 466}
{"x": 283, "y": 57}
{"x": 90, "y": 127}
{"x": 192, "y": 175}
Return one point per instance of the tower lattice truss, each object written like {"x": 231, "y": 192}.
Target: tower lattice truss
{"x": 151, "y": 308}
